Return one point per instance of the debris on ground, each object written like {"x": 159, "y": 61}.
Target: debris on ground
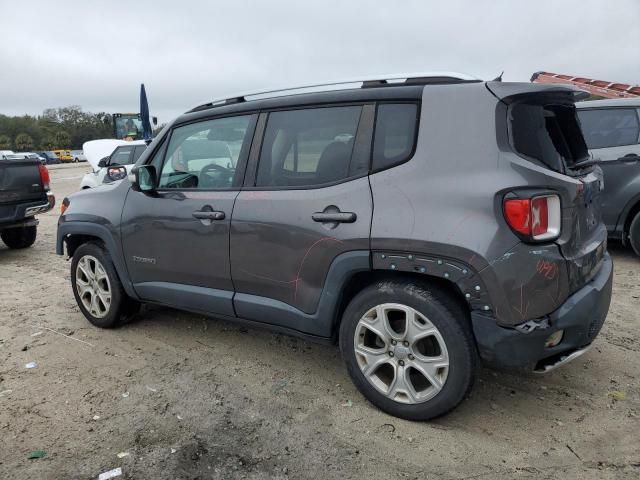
{"x": 617, "y": 395}
{"x": 31, "y": 365}
{"x": 123, "y": 454}
{"x": 116, "y": 472}
{"x": 151, "y": 389}
{"x": 348, "y": 403}
{"x": 96, "y": 417}
{"x": 37, "y": 454}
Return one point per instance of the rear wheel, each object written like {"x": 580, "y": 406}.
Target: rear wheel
{"x": 97, "y": 288}
{"x": 408, "y": 349}
{"x": 634, "y": 233}
{"x": 19, "y": 237}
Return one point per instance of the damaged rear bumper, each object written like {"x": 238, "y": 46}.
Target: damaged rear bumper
{"x": 580, "y": 318}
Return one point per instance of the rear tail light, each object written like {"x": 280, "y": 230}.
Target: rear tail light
{"x": 536, "y": 218}
{"x": 44, "y": 176}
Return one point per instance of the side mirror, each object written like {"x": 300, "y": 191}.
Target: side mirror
{"x": 144, "y": 178}
{"x": 116, "y": 173}
{"x": 154, "y": 120}
{"x": 103, "y": 162}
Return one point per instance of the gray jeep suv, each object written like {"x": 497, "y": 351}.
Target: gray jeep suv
{"x": 424, "y": 224}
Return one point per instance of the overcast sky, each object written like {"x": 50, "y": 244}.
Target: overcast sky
{"x": 96, "y": 53}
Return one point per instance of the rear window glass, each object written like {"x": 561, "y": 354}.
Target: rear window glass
{"x": 548, "y": 133}
{"x": 395, "y": 134}
{"x": 612, "y": 127}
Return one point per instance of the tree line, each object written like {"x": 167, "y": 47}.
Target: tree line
{"x": 56, "y": 128}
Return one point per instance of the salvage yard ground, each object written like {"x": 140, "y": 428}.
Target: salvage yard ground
{"x": 181, "y": 396}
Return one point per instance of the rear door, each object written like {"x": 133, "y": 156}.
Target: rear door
{"x": 306, "y": 202}
{"x": 176, "y": 241}
{"x": 613, "y": 136}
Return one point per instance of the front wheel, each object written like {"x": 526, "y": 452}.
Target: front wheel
{"x": 408, "y": 349}
{"x": 19, "y": 237}
{"x": 97, "y": 288}
{"x": 634, "y": 234}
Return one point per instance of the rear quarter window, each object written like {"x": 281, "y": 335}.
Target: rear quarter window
{"x": 395, "y": 134}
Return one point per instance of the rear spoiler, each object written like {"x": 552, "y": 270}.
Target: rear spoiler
{"x": 505, "y": 91}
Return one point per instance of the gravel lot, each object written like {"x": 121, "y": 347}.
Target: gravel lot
{"x": 190, "y": 397}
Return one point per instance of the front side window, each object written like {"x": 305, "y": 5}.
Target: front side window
{"x": 204, "y": 155}
{"x": 612, "y": 127}
{"x": 307, "y": 147}
{"x": 394, "y": 135}
{"x": 121, "y": 156}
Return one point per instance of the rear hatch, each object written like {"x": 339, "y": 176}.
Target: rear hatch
{"x": 543, "y": 127}
{"x": 19, "y": 183}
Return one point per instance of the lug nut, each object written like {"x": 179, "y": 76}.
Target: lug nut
{"x": 401, "y": 363}
{"x": 391, "y": 354}
{"x": 406, "y": 344}
{"x": 393, "y": 342}
{"x": 410, "y": 357}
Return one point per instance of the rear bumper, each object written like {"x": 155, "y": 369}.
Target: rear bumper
{"x": 581, "y": 317}
{"x": 19, "y": 215}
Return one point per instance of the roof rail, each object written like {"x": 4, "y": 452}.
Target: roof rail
{"x": 421, "y": 78}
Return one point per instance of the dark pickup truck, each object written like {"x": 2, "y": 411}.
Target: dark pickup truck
{"x": 24, "y": 193}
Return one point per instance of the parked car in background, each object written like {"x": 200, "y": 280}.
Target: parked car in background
{"x": 24, "y": 193}
{"x": 105, "y": 154}
{"x": 30, "y": 155}
{"x": 423, "y": 224}
{"x": 611, "y": 129}
{"x": 49, "y": 156}
{"x": 4, "y": 153}
{"x": 64, "y": 155}
{"x": 78, "y": 156}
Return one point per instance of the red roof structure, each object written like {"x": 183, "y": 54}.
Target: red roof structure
{"x": 600, "y": 88}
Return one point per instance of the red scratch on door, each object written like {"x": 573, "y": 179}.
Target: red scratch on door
{"x": 317, "y": 242}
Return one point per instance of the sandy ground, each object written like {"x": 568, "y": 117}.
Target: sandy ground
{"x": 189, "y": 397}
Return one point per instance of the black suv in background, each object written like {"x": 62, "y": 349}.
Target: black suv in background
{"x": 424, "y": 223}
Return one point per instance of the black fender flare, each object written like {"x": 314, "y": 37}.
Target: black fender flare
{"x": 103, "y": 233}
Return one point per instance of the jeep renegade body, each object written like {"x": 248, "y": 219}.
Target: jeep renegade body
{"x": 423, "y": 224}
{"x": 612, "y": 131}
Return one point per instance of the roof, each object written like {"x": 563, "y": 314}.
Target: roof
{"x": 610, "y": 102}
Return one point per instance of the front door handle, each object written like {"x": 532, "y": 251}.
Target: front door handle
{"x": 208, "y": 215}
{"x": 340, "y": 217}
{"x": 629, "y": 158}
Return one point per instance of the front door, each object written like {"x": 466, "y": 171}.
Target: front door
{"x": 613, "y": 135}
{"x": 176, "y": 241}
{"x": 307, "y": 208}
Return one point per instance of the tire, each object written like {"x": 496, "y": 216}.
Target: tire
{"x": 19, "y": 237}
{"x": 439, "y": 335}
{"x": 97, "y": 287}
{"x": 634, "y": 234}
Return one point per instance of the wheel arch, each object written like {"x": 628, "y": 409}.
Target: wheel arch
{"x": 74, "y": 234}
{"x": 628, "y": 214}
{"x": 361, "y": 280}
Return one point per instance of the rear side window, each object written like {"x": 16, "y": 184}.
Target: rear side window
{"x": 307, "y": 147}
{"x": 548, "y": 133}
{"x": 394, "y": 135}
{"x": 613, "y": 127}
{"x": 137, "y": 152}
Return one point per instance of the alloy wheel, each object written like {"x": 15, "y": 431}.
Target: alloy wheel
{"x": 401, "y": 353}
{"x": 93, "y": 286}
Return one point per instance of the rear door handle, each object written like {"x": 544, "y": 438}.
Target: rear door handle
{"x": 208, "y": 215}
{"x": 341, "y": 217}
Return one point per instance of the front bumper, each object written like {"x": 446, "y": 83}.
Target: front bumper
{"x": 581, "y": 317}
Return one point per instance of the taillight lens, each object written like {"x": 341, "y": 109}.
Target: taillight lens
{"x": 44, "y": 176}
{"x": 537, "y": 218}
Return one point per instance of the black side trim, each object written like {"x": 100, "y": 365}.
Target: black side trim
{"x": 211, "y": 300}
